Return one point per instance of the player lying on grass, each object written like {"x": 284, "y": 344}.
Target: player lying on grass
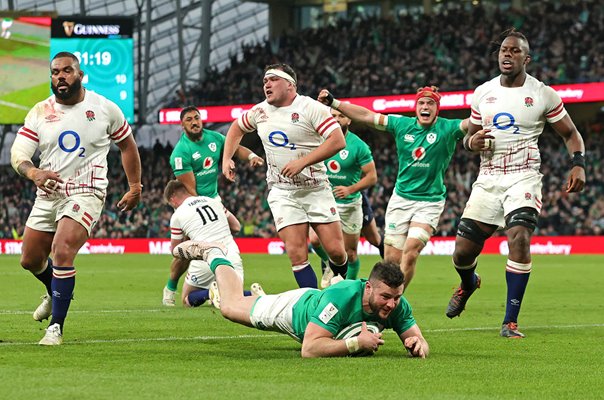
{"x": 201, "y": 218}
{"x": 314, "y": 317}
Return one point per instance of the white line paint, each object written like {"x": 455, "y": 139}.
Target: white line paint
{"x": 14, "y": 105}
{"x": 262, "y": 336}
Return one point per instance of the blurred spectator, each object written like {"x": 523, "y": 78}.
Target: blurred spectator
{"x": 372, "y": 56}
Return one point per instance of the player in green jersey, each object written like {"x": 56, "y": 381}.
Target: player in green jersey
{"x": 349, "y": 171}
{"x": 314, "y": 317}
{"x": 425, "y": 145}
{"x": 195, "y": 163}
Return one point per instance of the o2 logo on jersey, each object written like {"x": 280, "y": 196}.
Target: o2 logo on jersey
{"x": 418, "y": 153}
{"x": 504, "y": 121}
{"x": 208, "y": 162}
{"x": 280, "y": 139}
{"x": 333, "y": 166}
{"x": 69, "y": 141}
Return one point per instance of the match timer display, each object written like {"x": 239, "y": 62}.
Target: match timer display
{"x": 105, "y": 48}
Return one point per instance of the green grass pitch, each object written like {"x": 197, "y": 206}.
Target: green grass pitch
{"x": 120, "y": 343}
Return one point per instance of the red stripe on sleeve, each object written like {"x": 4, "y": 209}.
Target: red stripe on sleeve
{"x": 246, "y": 121}
{"x": 122, "y": 134}
{"x": 320, "y": 127}
{"x": 559, "y": 108}
{"x": 325, "y": 128}
{"x": 28, "y": 135}
{"x": 116, "y": 133}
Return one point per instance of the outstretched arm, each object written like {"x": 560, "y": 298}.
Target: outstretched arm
{"x": 414, "y": 342}
{"x": 353, "y": 111}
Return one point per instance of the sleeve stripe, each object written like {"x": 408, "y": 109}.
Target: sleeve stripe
{"x": 119, "y": 132}
{"x": 29, "y": 131}
{"x": 28, "y": 135}
{"x": 559, "y": 108}
{"x": 245, "y": 121}
{"x": 320, "y": 127}
{"x": 323, "y": 130}
{"x": 121, "y": 135}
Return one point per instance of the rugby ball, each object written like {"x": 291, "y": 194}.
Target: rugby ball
{"x": 355, "y": 330}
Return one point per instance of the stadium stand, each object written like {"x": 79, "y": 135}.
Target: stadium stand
{"x": 377, "y": 56}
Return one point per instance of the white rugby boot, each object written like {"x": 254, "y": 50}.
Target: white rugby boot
{"x": 44, "y": 310}
{"x": 53, "y": 336}
{"x": 169, "y": 299}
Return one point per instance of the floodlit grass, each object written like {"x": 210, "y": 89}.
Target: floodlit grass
{"x": 120, "y": 343}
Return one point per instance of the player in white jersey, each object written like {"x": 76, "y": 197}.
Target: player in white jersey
{"x": 298, "y": 134}
{"x": 508, "y": 115}
{"x": 73, "y": 129}
{"x": 205, "y": 219}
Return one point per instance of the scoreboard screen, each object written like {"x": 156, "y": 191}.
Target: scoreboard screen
{"x": 104, "y": 47}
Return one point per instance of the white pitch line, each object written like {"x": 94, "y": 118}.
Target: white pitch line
{"x": 164, "y": 339}
{"x": 11, "y": 312}
{"x": 237, "y": 337}
{"x": 14, "y": 105}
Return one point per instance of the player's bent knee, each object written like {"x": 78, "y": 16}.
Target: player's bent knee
{"x": 396, "y": 241}
{"x": 525, "y": 216}
{"x": 418, "y": 233}
{"x": 470, "y": 230}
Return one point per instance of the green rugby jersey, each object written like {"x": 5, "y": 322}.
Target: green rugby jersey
{"x": 423, "y": 155}
{"x": 341, "y": 305}
{"x": 344, "y": 168}
{"x": 202, "y": 158}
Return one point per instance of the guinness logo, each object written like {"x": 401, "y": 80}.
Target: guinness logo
{"x": 68, "y": 27}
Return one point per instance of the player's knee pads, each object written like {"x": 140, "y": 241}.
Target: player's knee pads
{"x": 470, "y": 230}
{"x": 395, "y": 240}
{"x": 418, "y": 233}
{"x": 525, "y": 216}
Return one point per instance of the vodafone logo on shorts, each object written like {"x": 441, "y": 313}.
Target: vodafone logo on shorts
{"x": 208, "y": 162}
{"x": 418, "y": 153}
{"x": 334, "y": 166}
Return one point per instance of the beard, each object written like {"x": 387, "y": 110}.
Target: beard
{"x": 72, "y": 90}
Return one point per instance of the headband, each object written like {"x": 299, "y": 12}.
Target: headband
{"x": 280, "y": 74}
{"x": 428, "y": 92}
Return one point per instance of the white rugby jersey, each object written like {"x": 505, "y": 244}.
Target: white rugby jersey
{"x": 74, "y": 141}
{"x": 516, "y": 117}
{"x": 288, "y": 133}
{"x": 201, "y": 218}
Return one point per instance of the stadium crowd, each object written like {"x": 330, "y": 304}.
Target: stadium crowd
{"x": 383, "y": 56}
{"x": 562, "y": 214}
{"x": 372, "y": 56}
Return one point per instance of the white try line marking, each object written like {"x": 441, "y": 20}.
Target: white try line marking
{"x": 262, "y": 336}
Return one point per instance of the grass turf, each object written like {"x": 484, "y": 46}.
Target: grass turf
{"x": 121, "y": 343}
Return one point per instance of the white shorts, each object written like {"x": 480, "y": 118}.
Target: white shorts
{"x": 298, "y": 206}
{"x": 351, "y": 215}
{"x": 495, "y": 196}
{"x": 401, "y": 212}
{"x": 200, "y": 275}
{"x": 84, "y": 208}
{"x": 273, "y": 312}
